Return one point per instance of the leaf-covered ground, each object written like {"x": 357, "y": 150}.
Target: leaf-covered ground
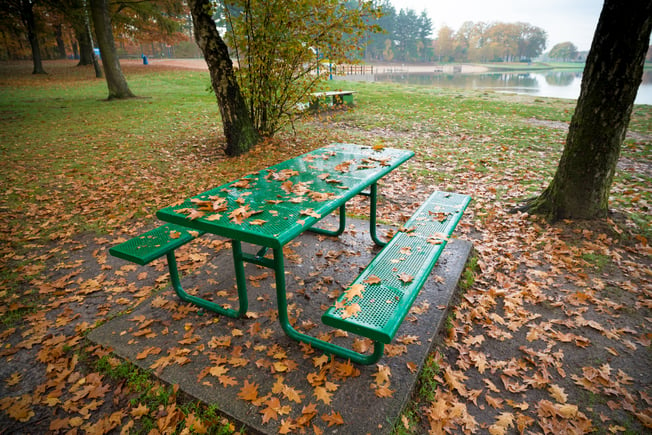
{"x": 550, "y": 334}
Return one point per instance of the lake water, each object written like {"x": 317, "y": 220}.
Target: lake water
{"x": 556, "y": 84}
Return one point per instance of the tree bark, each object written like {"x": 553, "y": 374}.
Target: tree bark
{"x": 238, "y": 128}
{"x": 85, "y": 47}
{"x": 614, "y": 68}
{"x": 115, "y": 80}
{"x": 27, "y": 16}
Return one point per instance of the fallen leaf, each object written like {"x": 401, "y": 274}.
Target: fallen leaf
{"x": 334, "y": 418}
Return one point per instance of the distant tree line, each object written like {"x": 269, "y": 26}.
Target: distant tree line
{"x": 405, "y": 36}
{"x": 489, "y": 42}
{"x": 408, "y": 37}
{"x": 59, "y": 29}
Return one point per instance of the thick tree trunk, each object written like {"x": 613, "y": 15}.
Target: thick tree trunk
{"x": 27, "y": 16}
{"x": 613, "y": 72}
{"x": 115, "y": 80}
{"x": 236, "y": 120}
{"x": 85, "y": 47}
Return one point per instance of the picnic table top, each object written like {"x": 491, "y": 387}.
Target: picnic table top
{"x": 331, "y": 93}
{"x": 273, "y": 206}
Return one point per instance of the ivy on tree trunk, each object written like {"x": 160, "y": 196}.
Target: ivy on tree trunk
{"x": 613, "y": 72}
{"x": 238, "y": 128}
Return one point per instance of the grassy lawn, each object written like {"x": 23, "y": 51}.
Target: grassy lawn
{"x": 78, "y": 171}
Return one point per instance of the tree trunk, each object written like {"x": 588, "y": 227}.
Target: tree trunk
{"x": 85, "y": 47}
{"x": 115, "y": 80}
{"x": 61, "y": 45}
{"x": 236, "y": 120}
{"x": 27, "y": 16}
{"x": 612, "y": 75}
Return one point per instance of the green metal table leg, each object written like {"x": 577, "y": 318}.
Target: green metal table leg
{"x": 373, "y": 197}
{"x": 341, "y": 228}
{"x": 330, "y": 348}
{"x": 203, "y": 303}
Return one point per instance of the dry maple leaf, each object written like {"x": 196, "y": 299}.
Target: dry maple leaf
{"x": 383, "y": 374}
{"x": 227, "y": 381}
{"x": 334, "y": 418}
{"x": 353, "y": 291}
{"x": 218, "y": 370}
{"x": 249, "y": 391}
{"x": 310, "y": 212}
{"x": 321, "y": 393}
{"x": 372, "y": 279}
{"x": 139, "y": 411}
{"x": 344, "y": 166}
{"x": 14, "y": 379}
{"x": 287, "y": 426}
{"x": 405, "y": 278}
{"x": 383, "y": 391}
{"x": 242, "y": 183}
{"x": 195, "y": 214}
{"x": 351, "y": 311}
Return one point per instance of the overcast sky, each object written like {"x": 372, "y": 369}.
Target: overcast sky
{"x": 563, "y": 20}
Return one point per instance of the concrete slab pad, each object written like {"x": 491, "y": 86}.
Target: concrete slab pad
{"x": 257, "y": 375}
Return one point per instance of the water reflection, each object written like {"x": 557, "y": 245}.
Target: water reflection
{"x": 556, "y": 84}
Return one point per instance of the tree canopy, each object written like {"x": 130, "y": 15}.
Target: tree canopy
{"x": 284, "y": 50}
{"x": 405, "y": 36}
{"x": 490, "y": 42}
{"x": 564, "y": 51}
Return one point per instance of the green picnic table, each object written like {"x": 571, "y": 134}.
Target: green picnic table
{"x": 270, "y": 208}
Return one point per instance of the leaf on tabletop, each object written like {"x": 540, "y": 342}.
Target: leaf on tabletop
{"x": 372, "y": 279}
{"x": 257, "y": 222}
{"x": 435, "y": 240}
{"x": 351, "y": 311}
{"x": 405, "y": 278}
{"x": 353, "y": 291}
{"x": 243, "y": 183}
{"x": 405, "y": 250}
{"x": 195, "y": 214}
{"x": 344, "y": 166}
{"x": 439, "y": 216}
{"x": 310, "y": 212}
{"x": 175, "y": 234}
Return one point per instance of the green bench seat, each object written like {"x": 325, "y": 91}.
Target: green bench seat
{"x": 153, "y": 244}
{"x": 376, "y": 303}
{"x": 162, "y": 241}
